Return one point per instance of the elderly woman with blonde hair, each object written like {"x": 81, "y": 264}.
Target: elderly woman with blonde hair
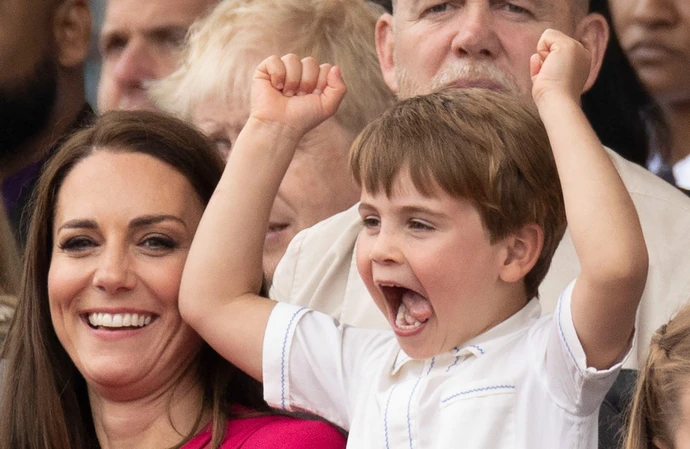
{"x": 212, "y": 89}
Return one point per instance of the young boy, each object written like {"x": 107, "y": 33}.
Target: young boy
{"x": 462, "y": 212}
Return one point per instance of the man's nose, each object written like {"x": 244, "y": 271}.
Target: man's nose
{"x": 114, "y": 273}
{"x": 134, "y": 65}
{"x": 655, "y": 13}
{"x": 476, "y": 35}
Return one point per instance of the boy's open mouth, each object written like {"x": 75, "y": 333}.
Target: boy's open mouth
{"x": 413, "y": 309}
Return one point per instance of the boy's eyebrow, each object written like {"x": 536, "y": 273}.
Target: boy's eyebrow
{"x": 407, "y": 210}
{"x": 418, "y": 209}
{"x": 365, "y": 207}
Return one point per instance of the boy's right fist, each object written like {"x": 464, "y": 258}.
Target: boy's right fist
{"x": 561, "y": 65}
{"x": 299, "y": 94}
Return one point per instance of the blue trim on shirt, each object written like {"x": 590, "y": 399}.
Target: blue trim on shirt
{"x": 385, "y": 416}
{"x": 409, "y": 406}
{"x": 282, "y": 358}
{"x": 560, "y": 329}
{"x": 481, "y": 351}
{"x": 475, "y": 390}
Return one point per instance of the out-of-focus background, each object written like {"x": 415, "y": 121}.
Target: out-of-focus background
{"x": 93, "y": 66}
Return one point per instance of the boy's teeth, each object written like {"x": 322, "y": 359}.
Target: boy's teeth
{"x": 404, "y": 320}
{"x": 119, "y": 320}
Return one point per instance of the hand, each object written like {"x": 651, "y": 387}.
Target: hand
{"x": 296, "y": 94}
{"x": 561, "y": 65}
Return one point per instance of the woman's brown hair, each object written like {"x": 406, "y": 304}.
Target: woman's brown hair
{"x": 662, "y": 383}
{"x": 44, "y": 401}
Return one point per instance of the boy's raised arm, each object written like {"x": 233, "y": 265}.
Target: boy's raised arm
{"x": 223, "y": 273}
{"x": 601, "y": 216}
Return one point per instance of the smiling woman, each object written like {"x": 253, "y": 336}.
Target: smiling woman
{"x": 98, "y": 355}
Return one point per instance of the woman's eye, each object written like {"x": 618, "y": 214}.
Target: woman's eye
{"x": 77, "y": 244}
{"x": 158, "y": 243}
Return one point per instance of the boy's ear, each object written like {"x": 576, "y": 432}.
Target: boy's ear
{"x": 72, "y": 30}
{"x": 522, "y": 252}
{"x": 385, "y": 33}
{"x": 593, "y": 33}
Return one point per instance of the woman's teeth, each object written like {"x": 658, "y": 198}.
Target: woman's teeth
{"x": 119, "y": 320}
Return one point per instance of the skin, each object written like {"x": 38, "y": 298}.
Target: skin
{"x": 438, "y": 247}
{"x": 141, "y": 41}
{"x": 230, "y": 316}
{"x": 681, "y": 433}
{"x": 430, "y": 44}
{"x": 24, "y": 37}
{"x": 120, "y": 247}
{"x": 316, "y": 186}
{"x": 655, "y": 35}
{"x": 30, "y": 29}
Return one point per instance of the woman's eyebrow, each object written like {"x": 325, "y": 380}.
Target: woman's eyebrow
{"x": 79, "y": 223}
{"x": 148, "y": 220}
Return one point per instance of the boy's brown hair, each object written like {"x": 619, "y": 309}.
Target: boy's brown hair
{"x": 488, "y": 147}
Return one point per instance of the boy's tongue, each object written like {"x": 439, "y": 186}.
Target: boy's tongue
{"x": 416, "y": 305}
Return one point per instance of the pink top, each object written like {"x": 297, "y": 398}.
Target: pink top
{"x": 273, "y": 431}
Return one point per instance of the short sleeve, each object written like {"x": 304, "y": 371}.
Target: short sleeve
{"x": 312, "y": 363}
{"x": 572, "y": 383}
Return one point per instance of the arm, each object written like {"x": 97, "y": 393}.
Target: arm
{"x": 223, "y": 273}
{"x": 601, "y": 216}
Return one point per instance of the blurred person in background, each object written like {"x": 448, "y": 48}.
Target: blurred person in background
{"x": 43, "y": 46}
{"x": 141, "y": 41}
{"x": 655, "y": 35}
{"x": 9, "y": 274}
{"x": 212, "y": 89}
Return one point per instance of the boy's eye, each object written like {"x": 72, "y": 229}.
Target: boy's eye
{"x": 371, "y": 221}
{"x": 420, "y": 225}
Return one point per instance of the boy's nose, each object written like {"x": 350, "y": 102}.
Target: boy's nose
{"x": 386, "y": 249}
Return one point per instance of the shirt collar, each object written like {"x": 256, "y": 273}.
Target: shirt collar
{"x": 481, "y": 344}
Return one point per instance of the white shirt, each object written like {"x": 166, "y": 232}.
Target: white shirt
{"x": 319, "y": 270}
{"x": 681, "y": 173}
{"x": 522, "y": 384}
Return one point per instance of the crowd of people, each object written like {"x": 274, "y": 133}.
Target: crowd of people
{"x": 330, "y": 223}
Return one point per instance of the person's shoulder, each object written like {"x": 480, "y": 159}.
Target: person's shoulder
{"x": 295, "y": 433}
{"x": 648, "y": 189}
{"x": 344, "y": 223}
